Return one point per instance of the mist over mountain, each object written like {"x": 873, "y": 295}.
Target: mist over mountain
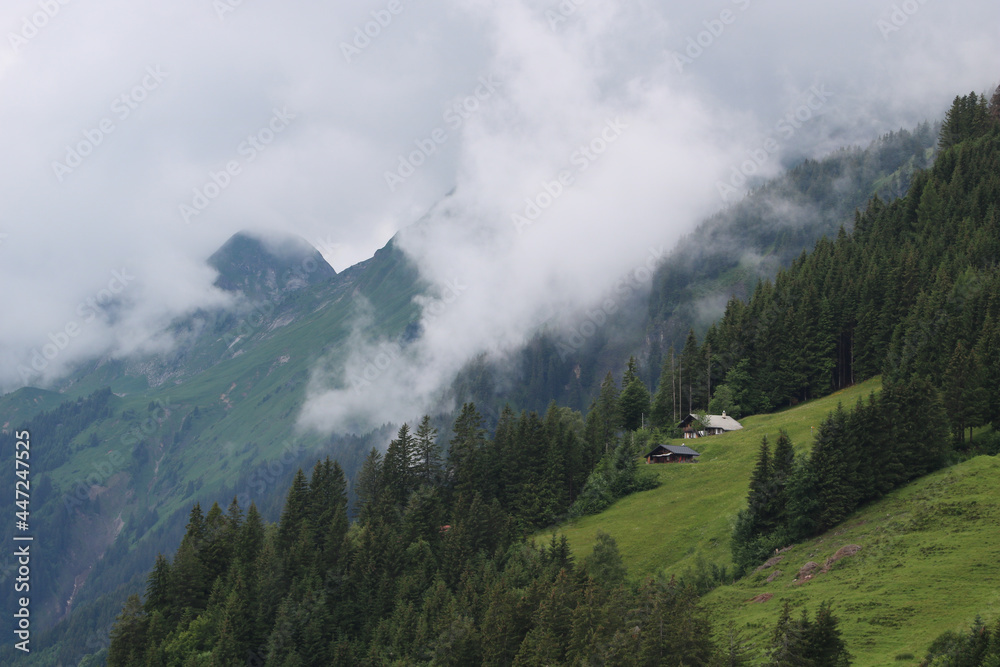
{"x": 236, "y": 126}
{"x": 237, "y": 238}
{"x": 264, "y": 269}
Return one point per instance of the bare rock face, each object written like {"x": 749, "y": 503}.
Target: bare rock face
{"x": 807, "y": 571}
{"x": 771, "y": 562}
{"x": 842, "y": 552}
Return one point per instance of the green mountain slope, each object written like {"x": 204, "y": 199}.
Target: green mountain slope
{"x": 216, "y": 416}
{"x": 927, "y": 563}
{"x": 260, "y": 269}
{"x": 213, "y": 419}
{"x": 690, "y": 515}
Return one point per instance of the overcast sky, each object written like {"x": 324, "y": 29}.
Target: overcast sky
{"x": 137, "y": 137}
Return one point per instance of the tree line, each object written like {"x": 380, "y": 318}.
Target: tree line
{"x": 856, "y": 457}
{"x": 431, "y": 572}
{"x": 912, "y": 291}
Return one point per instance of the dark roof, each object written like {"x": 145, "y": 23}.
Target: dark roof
{"x": 675, "y": 449}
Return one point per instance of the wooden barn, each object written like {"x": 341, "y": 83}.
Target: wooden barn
{"x": 672, "y": 454}
{"x": 711, "y": 425}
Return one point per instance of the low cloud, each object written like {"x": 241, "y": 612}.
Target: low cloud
{"x": 588, "y": 130}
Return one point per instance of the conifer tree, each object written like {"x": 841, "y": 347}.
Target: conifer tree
{"x": 663, "y": 410}
{"x": 158, "y": 587}
{"x": 832, "y": 460}
{"x": 428, "y": 452}
{"x": 608, "y": 415}
{"x": 504, "y": 626}
{"x": 965, "y": 397}
{"x": 217, "y": 547}
{"x": 634, "y": 405}
{"x": 251, "y": 536}
{"x": 269, "y": 585}
{"x": 234, "y": 519}
{"x": 631, "y": 372}
{"x": 295, "y": 512}
{"x": 736, "y": 650}
{"x": 188, "y": 577}
{"x": 128, "y": 636}
{"x": 789, "y": 642}
{"x": 604, "y": 563}
{"x": 825, "y": 646}
{"x": 692, "y": 393}
{"x": 398, "y": 468}
{"x": 236, "y": 630}
{"x": 760, "y": 496}
{"x": 467, "y": 444}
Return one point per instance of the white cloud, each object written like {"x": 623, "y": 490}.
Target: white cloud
{"x": 324, "y": 177}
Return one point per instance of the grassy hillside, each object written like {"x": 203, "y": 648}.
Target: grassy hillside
{"x": 927, "y": 563}
{"x": 689, "y": 516}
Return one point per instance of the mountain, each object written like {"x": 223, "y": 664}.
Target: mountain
{"x": 264, "y": 269}
{"x": 923, "y": 566}
{"x": 724, "y": 257}
{"x": 215, "y": 417}
{"x": 435, "y": 570}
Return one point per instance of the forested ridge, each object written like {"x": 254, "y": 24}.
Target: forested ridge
{"x": 911, "y": 291}
{"x": 436, "y": 568}
{"x": 724, "y": 255}
{"x": 436, "y": 571}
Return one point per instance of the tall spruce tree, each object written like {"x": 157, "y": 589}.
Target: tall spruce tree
{"x": 128, "y": 637}
{"x": 464, "y": 455}
{"x": 399, "y": 467}
{"x": 663, "y": 410}
{"x": 296, "y": 511}
{"x": 428, "y": 465}
{"x": 692, "y": 394}
{"x": 607, "y": 415}
{"x": 634, "y": 404}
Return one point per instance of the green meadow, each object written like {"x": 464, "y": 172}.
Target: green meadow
{"x": 929, "y": 557}
{"x": 690, "y": 515}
